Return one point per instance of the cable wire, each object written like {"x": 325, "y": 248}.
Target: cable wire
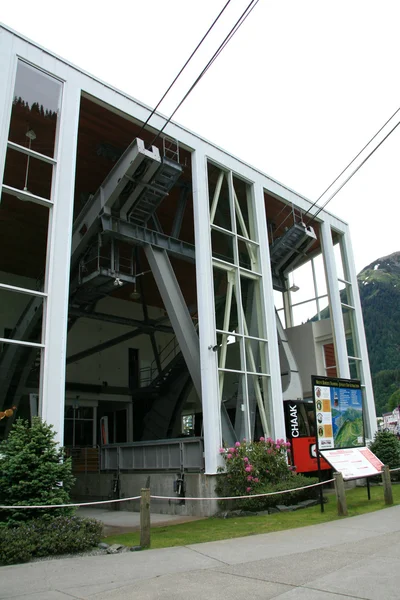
{"x": 353, "y": 173}
{"x": 354, "y": 159}
{"x": 185, "y": 65}
{"x": 227, "y": 39}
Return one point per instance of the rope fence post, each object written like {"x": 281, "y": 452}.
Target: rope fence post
{"x": 340, "y": 495}
{"x": 387, "y": 485}
{"x": 145, "y": 517}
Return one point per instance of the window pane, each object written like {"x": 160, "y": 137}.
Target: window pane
{"x": 28, "y": 174}
{"x": 20, "y": 316}
{"x": 251, "y": 302}
{"x": 23, "y": 242}
{"x": 229, "y": 352}
{"x": 243, "y": 209}
{"x": 219, "y": 198}
{"x": 35, "y": 109}
{"x": 222, "y": 245}
{"x": 248, "y": 255}
{"x": 19, "y": 376}
{"x": 256, "y": 355}
{"x": 226, "y": 314}
{"x": 304, "y": 312}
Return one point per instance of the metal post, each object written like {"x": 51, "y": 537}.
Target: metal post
{"x": 340, "y": 495}
{"x": 145, "y": 517}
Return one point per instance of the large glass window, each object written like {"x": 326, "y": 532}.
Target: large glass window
{"x": 239, "y": 307}
{"x": 25, "y": 204}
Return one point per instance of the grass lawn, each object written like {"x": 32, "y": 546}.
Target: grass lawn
{"x": 211, "y": 529}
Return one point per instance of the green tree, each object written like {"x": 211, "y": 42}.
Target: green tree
{"x": 33, "y": 471}
{"x": 394, "y": 400}
{"x": 386, "y": 446}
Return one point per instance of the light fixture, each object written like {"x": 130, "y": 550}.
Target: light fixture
{"x": 31, "y": 135}
{"x": 293, "y": 287}
{"x": 135, "y": 295}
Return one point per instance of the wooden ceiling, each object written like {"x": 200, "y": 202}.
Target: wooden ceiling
{"x": 103, "y": 136}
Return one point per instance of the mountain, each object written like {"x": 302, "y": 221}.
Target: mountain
{"x": 379, "y": 286}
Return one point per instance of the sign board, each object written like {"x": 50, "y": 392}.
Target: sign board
{"x": 339, "y": 412}
{"x": 353, "y": 463}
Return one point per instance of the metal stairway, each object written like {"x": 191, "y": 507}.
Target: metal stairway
{"x": 289, "y": 249}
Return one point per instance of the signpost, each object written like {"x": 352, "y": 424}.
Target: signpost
{"x": 339, "y": 416}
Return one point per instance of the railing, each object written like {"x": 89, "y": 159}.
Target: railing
{"x": 167, "y": 353}
{"x": 183, "y": 454}
{"x": 84, "y": 460}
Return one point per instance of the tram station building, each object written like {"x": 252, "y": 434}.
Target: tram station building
{"x": 159, "y": 298}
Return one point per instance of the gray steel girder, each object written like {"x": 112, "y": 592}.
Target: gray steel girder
{"x": 177, "y": 310}
{"x": 129, "y": 232}
{"x": 87, "y": 223}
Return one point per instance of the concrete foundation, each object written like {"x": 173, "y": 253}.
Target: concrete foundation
{"x": 100, "y": 486}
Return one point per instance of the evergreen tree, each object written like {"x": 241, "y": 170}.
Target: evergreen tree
{"x": 33, "y": 472}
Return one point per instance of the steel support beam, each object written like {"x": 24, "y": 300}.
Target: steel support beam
{"x": 177, "y": 310}
{"x": 104, "y": 346}
{"x": 140, "y": 236}
{"x": 146, "y": 326}
{"x": 87, "y": 224}
{"x": 180, "y": 211}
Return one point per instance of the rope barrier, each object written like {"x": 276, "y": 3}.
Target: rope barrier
{"x": 167, "y": 498}
{"x": 186, "y": 498}
{"x": 69, "y": 505}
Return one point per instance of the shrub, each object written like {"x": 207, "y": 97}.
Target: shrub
{"x": 258, "y": 468}
{"x": 33, "y": 471}
{"x": 386, "y": 446}
{"x": 47, "y": 537}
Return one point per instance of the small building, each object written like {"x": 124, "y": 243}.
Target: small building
{"x": 159, "y": 297}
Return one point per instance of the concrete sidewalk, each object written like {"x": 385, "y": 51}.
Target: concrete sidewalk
{"x": 125, "y": 521}
{"x": 357, "y": 557}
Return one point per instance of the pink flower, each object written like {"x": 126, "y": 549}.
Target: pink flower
{"x": 288, "y": 444}
{"x": 231, "y": 449}
{"x": 266, "y": 470}
{"x": 262, "y": 439}
{"x": 229, "y": 455}
{"x": 256, "y": 480}
{"x": 221, "y": 450}
{"x": 269, "y": 451}
{"x": 237, "y": 444}
{"x": 248, "y": 489}
{"x": 278, "y": 447}
{"x": 246, "y": 459}
{"x": 250, "y": 478}
{"x": 248, "y": 469}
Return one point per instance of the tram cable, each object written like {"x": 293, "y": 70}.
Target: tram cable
{"x": 185, "y": 65}
{"x": 250, "y": 7}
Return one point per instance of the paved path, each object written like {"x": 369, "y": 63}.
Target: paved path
{"x": 358, "y": 557}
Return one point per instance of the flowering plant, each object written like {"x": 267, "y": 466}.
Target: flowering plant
{"x": 249, "y": 466}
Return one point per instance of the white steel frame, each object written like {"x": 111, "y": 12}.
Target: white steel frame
{"x": 76, "y": 83}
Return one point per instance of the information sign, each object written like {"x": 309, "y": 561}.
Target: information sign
{"x": 339, "y": 412}
{"x": 353, "y": 463}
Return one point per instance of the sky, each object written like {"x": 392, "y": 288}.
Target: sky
{"x": 297, "y": 93}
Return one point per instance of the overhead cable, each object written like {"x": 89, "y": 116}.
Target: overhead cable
{"x": 344, "y": 170}
{"x": 354, "y": 159}
{"x": 185, "y": 65}
{"x": 227, "y": 39}
{"x": 353, "y": 173}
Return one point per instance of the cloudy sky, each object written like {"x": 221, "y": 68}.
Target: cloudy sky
{"x": 298, "y": 91}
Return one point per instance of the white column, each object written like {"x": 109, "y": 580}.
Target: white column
{"x": 7, "y": 70}
{"x": 338, "y": 331}
{"x": 276, "y": 400}
{"x": 58, "y": 264}
{"x": 361, "y": 342}
{"x": 206, "y": 312}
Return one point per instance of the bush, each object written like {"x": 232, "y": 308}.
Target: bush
{"x": 258, "y": 468}
{"x": 294, "y": 482}
{"x": 386, "y": 447}
{"x": 33, "y": 471}
{"x": 47, "y": 537}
